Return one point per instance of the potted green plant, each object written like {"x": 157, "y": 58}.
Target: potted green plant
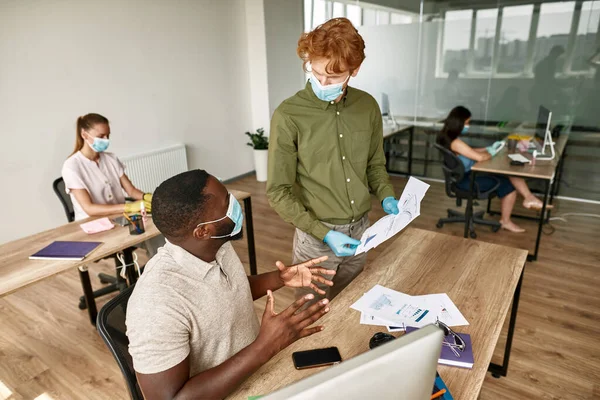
{"x": 260, "y": 143}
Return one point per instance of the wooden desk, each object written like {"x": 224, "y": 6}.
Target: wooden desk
{"x": 543, "y": 170}
{"x": 480, "y": 278}
{"x": 17, "y": 270}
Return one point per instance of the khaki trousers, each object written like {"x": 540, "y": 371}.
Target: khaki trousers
{"x": 347, "y": 268}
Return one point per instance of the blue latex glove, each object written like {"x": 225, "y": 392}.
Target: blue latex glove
{"x": 495, "y": 148}
{"x": 342, "y": 245}
{"x": 390, "y": 205}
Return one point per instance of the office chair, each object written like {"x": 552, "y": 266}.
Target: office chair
{"x": 116, "y": 283}
{"x": 454, "y": 172}
{"x": 111, "y": 327}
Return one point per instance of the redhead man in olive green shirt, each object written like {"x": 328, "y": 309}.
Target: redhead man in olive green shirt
{"x": 326, "y": 155}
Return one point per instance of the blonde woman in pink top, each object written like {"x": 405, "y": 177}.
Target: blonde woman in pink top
{"x": 96, "y": 179}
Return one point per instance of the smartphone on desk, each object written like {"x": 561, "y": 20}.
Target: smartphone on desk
{"x": 316, "y": 358}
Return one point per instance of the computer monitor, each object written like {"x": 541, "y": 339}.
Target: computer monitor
{"x": 543, "y": 119}
{"x": 401, "y": 369}
{"x": 545, "y": 146}
{"x": 385, "y": 105}
{"x": 386, "y": 112}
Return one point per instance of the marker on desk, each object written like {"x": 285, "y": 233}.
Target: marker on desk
{"x": 438, "y": 394}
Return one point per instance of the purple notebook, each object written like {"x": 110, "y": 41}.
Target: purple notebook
{"x": 65, "y": 251}
{"x": 447, "y": 356}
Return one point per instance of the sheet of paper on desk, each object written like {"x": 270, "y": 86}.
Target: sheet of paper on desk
{"x": 366, "y": 319}
{"x": 444, "y": 309}
{"x": 388, "y": 226}
{"x": 392, "y": 308}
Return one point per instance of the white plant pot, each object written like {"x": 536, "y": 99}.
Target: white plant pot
{"x": 260, "y": 164}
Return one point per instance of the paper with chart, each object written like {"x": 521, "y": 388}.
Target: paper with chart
{"x": 388, "y": 226}
{"x": 391, "y": 306}
{"x": 387, "y": 307}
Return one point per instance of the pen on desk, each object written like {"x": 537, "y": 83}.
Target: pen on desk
{"x": 438, "y": 394}
{"x": 138, "y": 230}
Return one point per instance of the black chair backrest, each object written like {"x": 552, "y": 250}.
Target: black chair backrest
{"x": 111, "y": 327}
{"x": 454, "y": 170}
{"x": 59, "y": 188}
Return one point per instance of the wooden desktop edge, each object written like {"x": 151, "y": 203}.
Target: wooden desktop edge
{"x": 97, "y": 254}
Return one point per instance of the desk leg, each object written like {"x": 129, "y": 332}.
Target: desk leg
{"x": 426, "y": 162}
{"x": 88, "y": 293}
{"x": 250, "y": 234}
{"x": 561, "y": 163}
{"x": 501, "y": 370}
{"x": 386, "y": 152}
{"x": 533, "y": 257}
{"x": 469, "y": 211}
{"x": 130, "y": 271}
{"x": 410, "y": 149}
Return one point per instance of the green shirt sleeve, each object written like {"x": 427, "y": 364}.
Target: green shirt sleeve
{"x": 379, "y": 180}
{"x": 282, "y": 164}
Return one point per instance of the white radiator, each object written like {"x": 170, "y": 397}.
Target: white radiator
{"x": 147, "y": 171}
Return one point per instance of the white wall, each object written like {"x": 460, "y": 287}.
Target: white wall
{"x": 163, "y": 72}
{"x": 283, "y": 25}
{"x": 257, "y": 65}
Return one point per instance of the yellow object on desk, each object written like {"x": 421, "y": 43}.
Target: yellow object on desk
{"x": 515, "y": 136}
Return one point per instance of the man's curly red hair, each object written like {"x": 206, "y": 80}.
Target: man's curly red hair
{"x": 338, "y": 41}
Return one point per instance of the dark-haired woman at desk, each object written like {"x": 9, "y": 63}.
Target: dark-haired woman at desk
{"x": 457, "y": 123}
{"x": 96, "y": 179}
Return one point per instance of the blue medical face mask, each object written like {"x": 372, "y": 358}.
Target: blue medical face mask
{"x": 234, "y": 213}
{"x": 465, "y": 129}
{"x": 99, "y": 144}
{"x": 328, "y": 92}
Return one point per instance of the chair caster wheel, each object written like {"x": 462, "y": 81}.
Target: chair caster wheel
{"x": 473, "y": 235}
{"x": 82, "y": 305}
{"x": 496, "y": 376}
{"x": 439, "y": 225}
{"x": 495, "y": 228}
{"x": 102, "y": 281}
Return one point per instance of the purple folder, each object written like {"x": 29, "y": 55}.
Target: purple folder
{"x": 65, "y": 251}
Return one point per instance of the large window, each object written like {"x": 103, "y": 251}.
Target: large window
{"x": 400, "y": 19}
{"x": 339, "y": 10}
{"x": 485, "y": 33}
{"x": 553, "y": 29}
{"x": 514, "y": 38}
{"x": 455, "y": 46}
{"x": 361, "y": 14}
{"x": 354, "y": 14}
{"x": 587, "y": 32}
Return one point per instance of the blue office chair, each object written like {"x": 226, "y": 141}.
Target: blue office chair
{"x": 454, "y": 173}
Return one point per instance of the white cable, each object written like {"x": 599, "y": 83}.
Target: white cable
{"x": 124, "y": 266}
{"x": 561, "y": 218}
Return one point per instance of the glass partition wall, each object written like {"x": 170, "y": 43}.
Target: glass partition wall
{"x": 501, "y": 59}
